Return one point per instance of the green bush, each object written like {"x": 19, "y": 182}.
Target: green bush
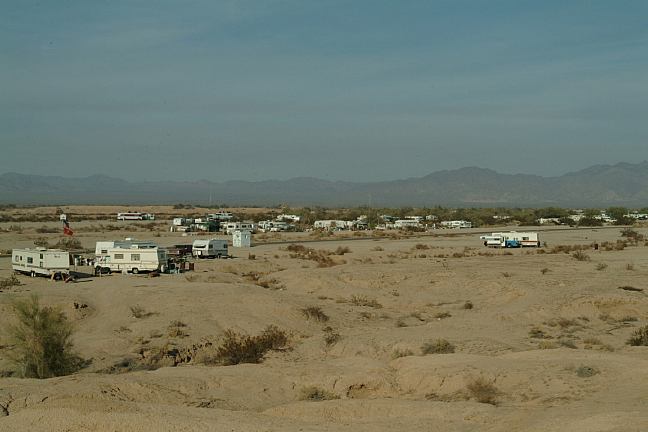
{"x": 42, "y": 340}
{"x": 240, "y": 348}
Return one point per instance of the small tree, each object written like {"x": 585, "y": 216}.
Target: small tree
{"x": 42, "y": 341}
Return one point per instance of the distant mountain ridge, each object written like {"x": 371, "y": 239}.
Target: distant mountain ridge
{"x": 623, "y": 184}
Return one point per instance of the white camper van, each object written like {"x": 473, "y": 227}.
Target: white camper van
{"x": 212, "y": 248}
{"x": 40, "y": 261}
{"x": 132, "y": 259}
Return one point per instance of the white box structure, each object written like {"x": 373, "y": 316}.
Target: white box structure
{"x": 241, "y": 238}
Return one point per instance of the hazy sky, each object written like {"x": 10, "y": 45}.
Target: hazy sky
{"x": 342, "y": 90}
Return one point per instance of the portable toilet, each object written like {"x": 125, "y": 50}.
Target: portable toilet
{"x": 241, "y": 238}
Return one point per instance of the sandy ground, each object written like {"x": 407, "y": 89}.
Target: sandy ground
{"x": 375, "y": 368}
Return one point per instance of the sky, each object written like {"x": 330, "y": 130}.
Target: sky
{"x": 362, "y": 90}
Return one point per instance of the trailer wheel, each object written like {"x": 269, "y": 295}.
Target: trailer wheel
{"x": 135, "y": 270}
{"x": 32, "y": 274}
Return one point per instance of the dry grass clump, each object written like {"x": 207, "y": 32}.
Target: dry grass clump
{"x": 42, "y": 340}
{"x": 537, "y": 333}
{"x": 342, "y": 250}
{"x": 316, "y": 394}
{"x": 9, "y": 282}
{"x": 631, "y": 234}
{"x": 176, "y": 329}
{"x": 439, "y": 346}
{"x": 139, "y": 312}
{"x": 401, "y": 352}
{"x": 315, "y": 312}
{"x": 468, "y": 305}
{"x": 331, "y": 337}
{"x": 483, "y": 390}
{"x": 579, "y": 255}
{"x": 442, "y": 315}
{"x": 239, "y": 348}
{"x": 586, "y": 371}
{"x": 568, "y": 248}
{"x": 629, "y": 267}
{"x": 377, "y": 249}
{"x": 601, "y": 266}
{"x": 544, "y": 270}
{"x": 360, "y": 300}
{"x": 321, "y": 257}
{"x": 639, "y": 337}
{"x": 421, "y": 246}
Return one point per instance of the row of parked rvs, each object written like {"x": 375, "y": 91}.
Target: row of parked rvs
{"x": 127, "y": 256}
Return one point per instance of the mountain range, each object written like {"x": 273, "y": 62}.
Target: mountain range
{"x": 622, "y": 184}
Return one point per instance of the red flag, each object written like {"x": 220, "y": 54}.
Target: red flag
{"x": 66, "y": 228}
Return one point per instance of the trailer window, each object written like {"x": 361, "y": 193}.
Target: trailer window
{"x": 41, "y": 256}
{"x": 119, "y": 256}
{"x": 104, "y": 251}
{"x": 30, "y": 260}
{"x": 135, "y": 257}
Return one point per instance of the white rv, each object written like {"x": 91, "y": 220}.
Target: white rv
{"x": 512, "y": 239}
{"x": 135, "y": 216}
{"x": 102, "y": 247}
{"x": 132, "y": 259}
{"x": 212, "y": 248}
{"x": 229, "y": 227}
{"x": 40, "y": 261}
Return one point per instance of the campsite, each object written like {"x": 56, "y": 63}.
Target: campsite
{"x": 368, "y": 330}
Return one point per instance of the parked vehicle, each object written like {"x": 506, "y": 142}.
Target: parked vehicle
{"x": 212, "y": 248}
{"x": 512, "y": 239}
{"x": 40, "y": 261}
{"x": 132, "y": 259}
{"x": 135, "y": 216}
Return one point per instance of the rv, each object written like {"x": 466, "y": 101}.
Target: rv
{"x": 102, "y": 247}
{"x": 456, "y": 224}
{"x": 512, "y": 239}
{"x": 132, "y": 259}
{"x": 135, "y": 216}
{"x": 220, "y": 216}
{"x": 229, "y": 227}
{"x": 212, "y": 248}
{"x": 40, "y": 261}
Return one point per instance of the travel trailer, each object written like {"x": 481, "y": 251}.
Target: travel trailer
{"x": 132, "y": 259}
{"x": 40, "y": 261}
{"x": 511, "y": 239}
{"x": 212, "y": 248}
{"x": 229, "y": 227}
{"x": 135, "y": 216}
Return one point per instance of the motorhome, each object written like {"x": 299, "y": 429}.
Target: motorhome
{"x": 456, "y": 224}
{"x": 132, "y": 259}
{"x": 40, "y": 261}
{"x": 212, "y": 248}
{"x": 102, "y": 247}
{"x": 220, "y": 216}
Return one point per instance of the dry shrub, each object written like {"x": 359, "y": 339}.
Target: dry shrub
{"x": 545, "y": 270}
{"x": 468, "y": 305}
{"x": 240, "y": 348}
{"x": 586, "y": 371}
{"x": 176, "y": 329}
{"x": 421, "y": 246}
{"x": 483, "y": 390}
{"x": 139, "y": 312}
{"x": 639, "y": 337}
{"x": 439, "y": 346}
{"x": 377, "y": 249}
{"x": 47, "y": 230}
{"x": 331, "y": 337}
{"x": 251, "y": 256}
{"x": 442, "y": 315}
{"x": 579, "y": 255}
{"x": 601, "y": 266}
{"x": 315, "y": 312}
{"x": 9, "y": 282}
{"x": 401, "y": 352}
{"x": 629, "y": 267}
{"x": 42, "y": 340}
{"x": 316, "y": 394}
{"x": 360, "y": 300}
{"x": 192, "y": 278}
{"x": 342, "y": 250}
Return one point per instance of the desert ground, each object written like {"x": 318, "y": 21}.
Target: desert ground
{"x": 397, "y": 332}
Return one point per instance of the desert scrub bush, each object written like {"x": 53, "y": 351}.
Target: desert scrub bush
{"x": 439, "y": 346}
{"x": 483, "y": 390}
{"x": 241, "y": 348}
{"x": 47, "y": 230}
{"x": 586, "y": 371}
{"x": 176, "y": 329}
{"x": 579, "y": 255}
{"x": 331, "y": 337}
{"x": 377, "y": 249}
{"x": 421, "y": 246}
{"x": 401, "y": 352}
{"x": 342, "y": 250}
{"x": 468, "y": 305}
{"x": 442, "y": 315}
{"x": 639, "y": 337}
{"x": 601, "y": 266}
{"x": 42, "y": 340}
{"x": 545, "y": 270}
{"x": 358, "y": 300}
{"x": 9, "y": 282}
{"x": 315, "y": 313}
{"x": 316, "y": 394}
{"x": 139, "y": 312}
{"x": 629, "y": 267}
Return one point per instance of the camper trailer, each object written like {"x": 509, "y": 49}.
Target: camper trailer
{"x": 40, "y": 261}
{"x": 132, "y": 259}
{"x": 135, "y": 216}
{"x": 229, "y": 227}
{"x": 102, "y": 247}
{"x": 512, "y": 239}
{"x": 212, "y": 248}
